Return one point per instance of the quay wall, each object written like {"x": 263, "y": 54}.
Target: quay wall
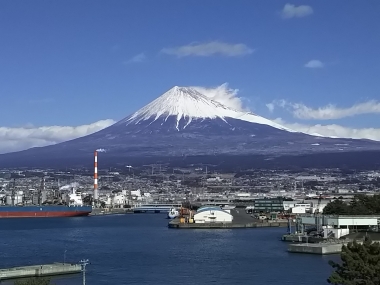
{"x": 39, "y": 270}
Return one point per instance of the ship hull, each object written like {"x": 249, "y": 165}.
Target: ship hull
{"x": 43, "y": 211}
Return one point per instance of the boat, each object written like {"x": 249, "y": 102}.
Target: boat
{"x": 35, "y": 211}
{"x": 228, "y": 207}
{"x": 173, "y": 213}
{"x": 74, "y": 208}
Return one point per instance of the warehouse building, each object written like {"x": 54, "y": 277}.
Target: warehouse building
{"x": 212, "y": 215}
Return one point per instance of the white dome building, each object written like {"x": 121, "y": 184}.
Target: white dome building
{"x": 212, "y": 215}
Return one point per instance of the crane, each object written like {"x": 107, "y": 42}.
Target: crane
{"x": 318, "y": 205}
{"x": 317, "y": 214}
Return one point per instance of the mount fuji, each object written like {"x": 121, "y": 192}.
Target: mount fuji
{"x": 183, "y": 122}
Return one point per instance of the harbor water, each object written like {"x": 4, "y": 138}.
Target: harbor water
{"x": 141, "y": 249}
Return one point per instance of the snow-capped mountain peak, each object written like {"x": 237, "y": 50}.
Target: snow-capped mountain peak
{"x": 189, "y": 104}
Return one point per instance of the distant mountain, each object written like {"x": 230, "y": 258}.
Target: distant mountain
{"x": 182, "y": 123}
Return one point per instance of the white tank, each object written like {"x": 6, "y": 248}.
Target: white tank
{"x": 17, "y": 199}
{"x": 108, "y": 200}
{"x": 119, "y": 200}
{"x": 75, "y": 198}
{"x": 3, "y": 198}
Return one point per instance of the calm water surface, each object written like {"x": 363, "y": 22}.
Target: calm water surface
{"x": 140, "y": 249}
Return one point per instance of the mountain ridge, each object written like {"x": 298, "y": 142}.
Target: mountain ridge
{"x": 185, "y": 123}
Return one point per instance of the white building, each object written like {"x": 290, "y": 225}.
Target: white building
{"x": 212, "y": 215}
{"x": 309, "y": 206}
{"x": 289, "y": 204}
{"x": 119, "y": 200}
{"x": 301, "y": 208}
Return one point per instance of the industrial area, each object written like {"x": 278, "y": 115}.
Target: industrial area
{"x": 199, "y": 196}
{"x": 196, "y": 197}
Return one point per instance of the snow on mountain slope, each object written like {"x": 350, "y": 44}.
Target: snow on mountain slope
{"x": 190, "y": 104}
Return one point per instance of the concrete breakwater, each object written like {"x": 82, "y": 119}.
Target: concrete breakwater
{"x": 178, "y": 225}
{"x": 316, "y": 248}
{"x": 39, "y": 270}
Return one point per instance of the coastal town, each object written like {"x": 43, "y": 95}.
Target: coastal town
{"x": 130, "y": 187}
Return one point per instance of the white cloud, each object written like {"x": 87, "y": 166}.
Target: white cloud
{"x": 137, "y": 58}
{"x": 14, "y": 139}
{"x": 315, "y": 63}
{"x": 330, "y": 111}
{"x": 333, "y": 130}
{"x": 209, "y": 49}
{"x": 270, "y": 107}
{"x": 224, "y": 95}
{"x": 293, "y": 11}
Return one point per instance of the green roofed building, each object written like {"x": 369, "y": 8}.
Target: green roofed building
{"x": 269, "y": 205}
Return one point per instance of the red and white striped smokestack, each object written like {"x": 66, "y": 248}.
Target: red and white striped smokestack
{"x": 96, "y": 194}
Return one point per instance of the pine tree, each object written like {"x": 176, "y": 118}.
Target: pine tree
{"x": 336, "y": 207}
{"x": 360, "y": 264}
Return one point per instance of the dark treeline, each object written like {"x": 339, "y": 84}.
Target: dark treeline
{"x": 360, "y": 205}
{"x": 360, "y": 264}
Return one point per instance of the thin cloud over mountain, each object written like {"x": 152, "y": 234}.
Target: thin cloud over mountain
{"x": 209, "y": 49}
{"x": 328, "y": 112}
{"x": 293, "y": 11}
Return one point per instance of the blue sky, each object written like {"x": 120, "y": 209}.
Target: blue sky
{"x": 74, "y": 63}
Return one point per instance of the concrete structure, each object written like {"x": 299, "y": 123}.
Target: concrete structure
{"x": 346, "y": 221}
{"x": 288, "y": 205}
{"x": 175, "y": 224}
{"x": 39, "y": 270}
{"x": 212, "y": 215}
{"x": 341, "y": 221}
{"x": 316, "y": 248}
{"x": 307, "y": 206}
{"x": 334, "y": 226}
{"x": 301, "y": 208}
{"x": 329, "y": 231}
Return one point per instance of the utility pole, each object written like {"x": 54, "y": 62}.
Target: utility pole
{"x": 83, "y": 263}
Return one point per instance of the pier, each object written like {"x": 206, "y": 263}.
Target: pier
{"x": 176, "y": 224}
{"x": 317, "y": 248}
{"x": 241, "y": 220}
{"x": 39, "y": 270}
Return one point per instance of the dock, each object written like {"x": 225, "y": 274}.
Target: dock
{"x": 177, "y": 225}
{"x": 39, "y": 270}
{"x": 330, "y": 246}
{"x": 301, "y": 238}
{"x": 241, "y": 221}
{"x": 316, "y": 248}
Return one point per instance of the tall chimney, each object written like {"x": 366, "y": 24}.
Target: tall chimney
{"x": 96, "y": 194}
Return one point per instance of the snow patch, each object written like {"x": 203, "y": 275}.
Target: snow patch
{"x": 188, "y": 103}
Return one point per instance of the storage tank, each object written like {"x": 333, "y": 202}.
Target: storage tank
{"x": 17, "y": 199}
{"x": 2, "y": 198}
{"x": 119, "y": 200}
